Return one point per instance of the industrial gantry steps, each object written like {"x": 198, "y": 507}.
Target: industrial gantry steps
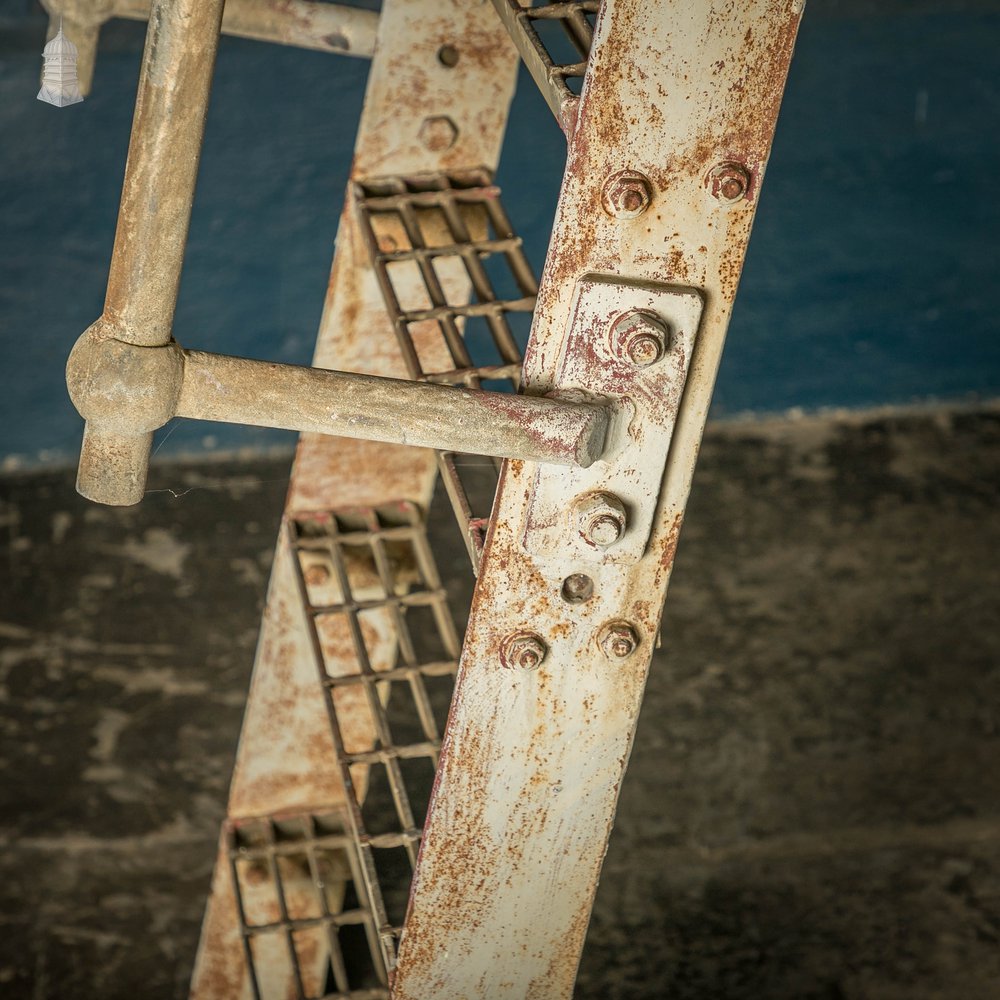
{"x": 412, "y": 814}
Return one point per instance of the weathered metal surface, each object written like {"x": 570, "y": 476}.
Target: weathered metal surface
{"x": 408, "y": 84}
{"x": 125, "y": 390}
{"x": 533, "y": 759}
{"x": 421, "y": 414}
{"x": 646, "y": 398}
{"x": 157, "y": 194}
{"x": 328, "y": 27}
{"x": 436, "y": 230}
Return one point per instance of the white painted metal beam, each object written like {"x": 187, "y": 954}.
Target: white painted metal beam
{"x": 663, "y": 178}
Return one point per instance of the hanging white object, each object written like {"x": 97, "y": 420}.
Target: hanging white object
{"x": 59, "y": 83}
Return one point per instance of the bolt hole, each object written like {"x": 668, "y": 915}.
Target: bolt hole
{"x": 448, "y": 56}
{"x": 577, "y": 588}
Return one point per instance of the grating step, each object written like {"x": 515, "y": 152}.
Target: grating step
{"x": 302, "y": 919}
{"x": 554, "y": 40}
{"x": 366, "y": 575}
{"x": 457, "y": 285}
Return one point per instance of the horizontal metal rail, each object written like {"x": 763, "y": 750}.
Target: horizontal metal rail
{"x": 306, "y": 24}
{"x": 126, "y": 390}
{"x": 424, "y": 414}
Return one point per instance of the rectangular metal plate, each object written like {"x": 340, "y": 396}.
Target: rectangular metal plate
{"x": 644, "y": 402}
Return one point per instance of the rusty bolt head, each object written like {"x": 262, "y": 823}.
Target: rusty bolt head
{"x": 618, "y": 640}
{"x": 600, "y": 519}
{"x": 626, "y": 194}
{"x": 438, "y": 133}
{"x": 729, "y": 182}
{"x": 577, "y": 588}
{"x": 640, "y": 337}
{"x": 523, "y": 650}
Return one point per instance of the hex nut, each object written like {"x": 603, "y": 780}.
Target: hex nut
{"x": 523, "y": 651}
{"x": 618, "y": 640}
{"x": 626, "y": 194}
{"x": 438, "y": 133}
{"x": 600, "y": 519}
{"x": 640, "y": 337}
{"x": 729, "y": 182}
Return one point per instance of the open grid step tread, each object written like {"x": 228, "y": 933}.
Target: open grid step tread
{"x": 365, "y": 574}
{"x": 453, "y": 275}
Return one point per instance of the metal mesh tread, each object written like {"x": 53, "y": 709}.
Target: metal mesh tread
{"x": 303, "y": 922}
{"x": 456, "y": 284}
{"x": 554, "y": 40}
{"x": 386, "y": 652}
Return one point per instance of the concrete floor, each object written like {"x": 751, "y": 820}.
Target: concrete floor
{"x": 813, "y": 804}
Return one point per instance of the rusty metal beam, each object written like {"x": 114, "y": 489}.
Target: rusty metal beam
{"x": 306, "y": 24}
{"x": 664, "y": 171}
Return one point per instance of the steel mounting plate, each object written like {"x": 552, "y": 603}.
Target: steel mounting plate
{"x": 644, "y": 402}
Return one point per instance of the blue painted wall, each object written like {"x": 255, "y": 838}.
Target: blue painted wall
{"x": 871, "y": 279}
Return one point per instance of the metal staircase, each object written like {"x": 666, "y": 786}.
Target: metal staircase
{"x": 410, "y": 815}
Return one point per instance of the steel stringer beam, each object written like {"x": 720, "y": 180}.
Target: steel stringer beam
{"x": 663, "y": 176}
{"x": 286, "y": 764}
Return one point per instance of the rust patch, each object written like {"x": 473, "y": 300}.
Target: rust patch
{"x": 220, "y": 969}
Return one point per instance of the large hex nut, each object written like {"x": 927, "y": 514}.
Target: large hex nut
{"x": 438, "y": 133}
{"x": 640, "y": 337}
{"x": 523, "y": 650}
{"x": 600, "y": 519}
{"x": 626, "y": 194}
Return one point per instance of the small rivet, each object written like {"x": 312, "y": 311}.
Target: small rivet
{"x": 523, "y": 650}
{"x": 448, "y": 56}
{"x": 618, "y": 640}
{"x": 577, "y": 588}
{"x": 729, "y": 182}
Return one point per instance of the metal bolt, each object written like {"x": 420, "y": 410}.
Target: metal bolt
{"x": 640, "y": 337}
{"x": 618, "y": 640}
{"x": 626, "y": 194}
{"x": 438, "y": 133}
{"x": 729, "y": 182}
{"x": 601, "y": 519}
{"x": 577, "y": 588}
{"x": 524, "y": 650}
